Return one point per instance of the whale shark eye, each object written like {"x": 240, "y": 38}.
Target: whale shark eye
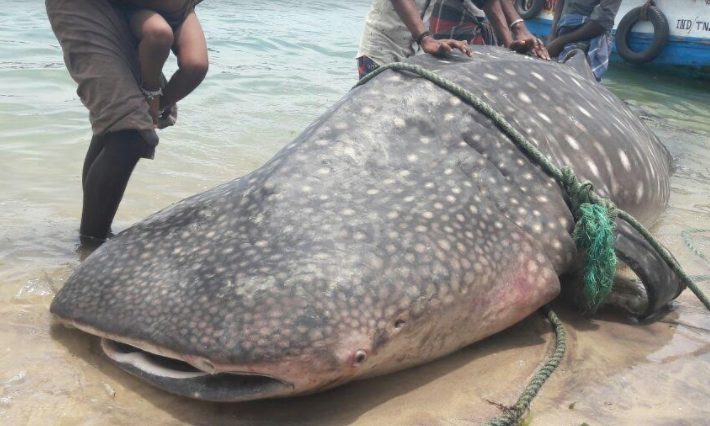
{"x": 399, "y": 323}
{"x": 359, "y": 357}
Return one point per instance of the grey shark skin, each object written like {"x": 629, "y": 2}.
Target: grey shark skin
{"x": 398, "y": 227}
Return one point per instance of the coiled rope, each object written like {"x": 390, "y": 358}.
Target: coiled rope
{"x": 594, "y": 230}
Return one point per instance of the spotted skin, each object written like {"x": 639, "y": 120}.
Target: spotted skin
{"x": 397, "y": 228}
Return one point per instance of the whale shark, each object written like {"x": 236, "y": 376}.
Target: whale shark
{"x": 398, "y": 227}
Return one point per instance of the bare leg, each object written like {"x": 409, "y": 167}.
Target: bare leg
{"x": 91, "y": 154}
{"x": 156, "y": 38}
{"x": 191, "y": 50}
{"x": 106, "y": 180}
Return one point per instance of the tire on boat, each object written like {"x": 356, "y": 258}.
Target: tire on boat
{"x": 660, "y": 34}
{"x": 528, "y": 9}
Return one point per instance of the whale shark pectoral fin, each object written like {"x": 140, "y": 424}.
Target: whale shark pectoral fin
{"x": 577, "y": 60}
{"x": 662, "y": 284}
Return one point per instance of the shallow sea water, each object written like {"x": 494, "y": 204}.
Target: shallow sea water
{"x": 275, "y": 67}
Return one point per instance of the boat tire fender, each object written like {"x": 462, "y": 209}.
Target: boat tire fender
{"x": 528, "y": 9}
{"x": 660, "y": 34}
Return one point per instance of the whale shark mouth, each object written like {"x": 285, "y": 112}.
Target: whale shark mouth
{"x": 181, "y": 378}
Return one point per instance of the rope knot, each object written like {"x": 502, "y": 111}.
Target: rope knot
{"x": 577, "y": 191}
{"x": 594, "y": 235}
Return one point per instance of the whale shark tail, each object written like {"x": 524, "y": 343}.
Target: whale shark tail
{"x": 662, "y": 284}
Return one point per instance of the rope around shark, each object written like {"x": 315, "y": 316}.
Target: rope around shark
{"x": 593, "y": 232}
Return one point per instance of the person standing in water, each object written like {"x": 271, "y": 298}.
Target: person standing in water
{"x": 102, "y": 56}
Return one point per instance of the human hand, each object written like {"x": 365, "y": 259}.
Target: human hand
{"x": 436, "y": 47}
{"x": 154, "y": 109}
{"x": 555, "y": 47}
{"x": 527, "y": 43}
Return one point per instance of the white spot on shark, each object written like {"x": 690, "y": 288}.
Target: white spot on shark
{"x": 639, "y": 192}
{"x": 624, "y": 160}
{"x": 544, "y": 117}
{"x": 572, "y": 142}
{"x": 593, "y": 168}
{"x": 584, "y": 111}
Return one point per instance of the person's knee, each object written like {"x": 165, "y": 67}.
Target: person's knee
{"x": 124, "y": 147}
{"x": 195, "y": 68}
{"x": 158, "y": 34}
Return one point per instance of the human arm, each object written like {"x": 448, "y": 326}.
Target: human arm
{"x": 588, "y": 31}
{"x": 558, "y": 12}
{"x": 522, "y": 40}
{"x": 495, "y": 16}
{"x": 408, "y": 13}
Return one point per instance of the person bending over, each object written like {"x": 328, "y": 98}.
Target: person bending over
{"x": 393, "y": 26}
{"x": 585, "y": 25}
{"x": 102, "y": 56}
{"x": 162, "y": 25}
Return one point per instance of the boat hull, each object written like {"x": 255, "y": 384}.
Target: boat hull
{"x": 688, "y": 43}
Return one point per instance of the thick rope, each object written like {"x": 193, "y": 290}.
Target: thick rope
{"x": 579, "y": 194}
{"x": 644, "y": 10}
{"x": 513, "y": 414}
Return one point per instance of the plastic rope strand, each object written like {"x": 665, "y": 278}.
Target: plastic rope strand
{"x": 594, "y": 233}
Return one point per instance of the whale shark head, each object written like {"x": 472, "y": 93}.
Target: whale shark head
{"x": 243, "y": 292}
{"x": 183, "y": 320}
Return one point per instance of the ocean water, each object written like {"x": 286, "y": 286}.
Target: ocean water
{"x": 276, "y": 66}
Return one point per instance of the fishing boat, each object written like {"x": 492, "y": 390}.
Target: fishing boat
{"x": 668, "y": 33}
